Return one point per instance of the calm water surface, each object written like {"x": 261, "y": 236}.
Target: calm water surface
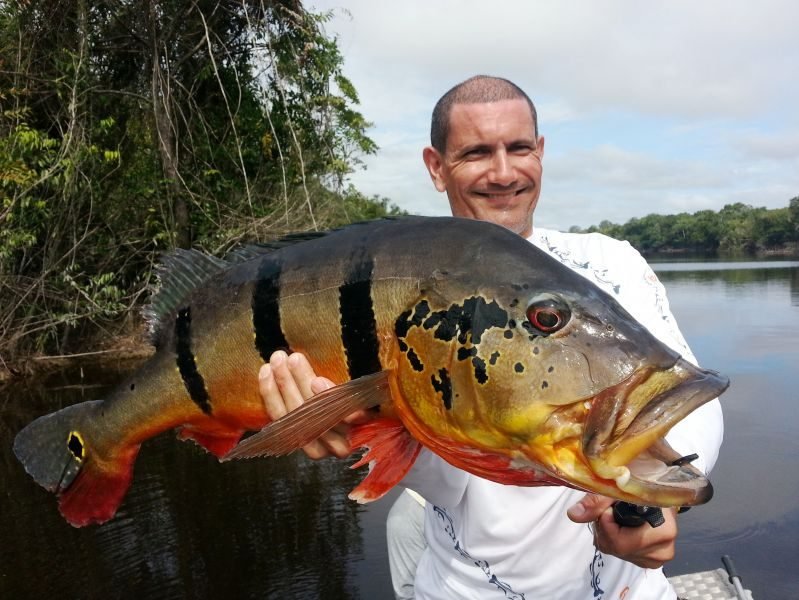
{"x": 283, "y": 528}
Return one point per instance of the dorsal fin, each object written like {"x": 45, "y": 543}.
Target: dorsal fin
{"x": 250, "y": 251}
{"x": 179, "y": 273}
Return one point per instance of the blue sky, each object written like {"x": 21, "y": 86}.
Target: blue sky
{"x": 645, "y": 106}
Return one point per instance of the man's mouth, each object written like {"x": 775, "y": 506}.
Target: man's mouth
{"x": 502, "y": 195}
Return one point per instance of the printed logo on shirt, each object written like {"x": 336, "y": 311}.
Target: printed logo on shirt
{"x": 596, "y": 564}
{"x": 449, "y": 528}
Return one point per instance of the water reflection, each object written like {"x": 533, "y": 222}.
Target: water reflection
{"x": 283, "y": 528}
{"x": 745, "y": 323}
{"x": 189, "y": 527}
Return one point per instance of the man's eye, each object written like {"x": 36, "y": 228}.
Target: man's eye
{"x": 476, "y": 153}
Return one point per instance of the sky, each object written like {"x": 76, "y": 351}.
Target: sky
{"x": 646, "y": 107}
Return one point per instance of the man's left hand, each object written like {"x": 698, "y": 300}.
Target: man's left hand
{"x": 645, "y": 546}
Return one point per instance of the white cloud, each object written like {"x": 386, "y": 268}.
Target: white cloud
{"x": 647, "y": 107}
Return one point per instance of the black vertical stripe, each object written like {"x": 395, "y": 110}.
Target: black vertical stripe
{"x": 266, "y": 310}
{"x": 185, "y": 360}
{"x": 358, "y": 325}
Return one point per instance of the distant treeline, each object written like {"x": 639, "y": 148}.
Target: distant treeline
{"x": 736, "y": 228}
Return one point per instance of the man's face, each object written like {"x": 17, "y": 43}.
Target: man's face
{"x": 491, "y": 169}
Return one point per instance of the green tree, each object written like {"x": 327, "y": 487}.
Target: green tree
{"x": 130, "y": 127}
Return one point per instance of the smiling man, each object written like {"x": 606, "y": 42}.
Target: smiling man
{"x": 484, "y": 539}
{"x": 487, "y": 157}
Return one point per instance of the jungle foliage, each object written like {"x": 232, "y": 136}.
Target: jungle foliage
{"x": 735, "y": 229}
{"x": 131, "y": 127}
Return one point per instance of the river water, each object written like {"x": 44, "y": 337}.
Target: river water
{"x": 283, "y": 528}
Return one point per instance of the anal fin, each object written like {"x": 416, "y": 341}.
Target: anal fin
{"x": 390, "y": 455}
{"x": 217, "y": 443}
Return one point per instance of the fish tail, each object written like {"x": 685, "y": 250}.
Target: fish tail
{"x": 60, "y": 453}
{"x": 97, "y": 491}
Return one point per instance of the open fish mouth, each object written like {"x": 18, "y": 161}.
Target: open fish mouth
{"x": 623, "y": 438}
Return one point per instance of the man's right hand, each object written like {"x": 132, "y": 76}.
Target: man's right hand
{"x": 288, "y": 381}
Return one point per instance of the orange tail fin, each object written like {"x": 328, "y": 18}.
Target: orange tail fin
{"x": 97, "y": 491}
{"x": 60, "y": 453}
{"x": 390, "y": 455}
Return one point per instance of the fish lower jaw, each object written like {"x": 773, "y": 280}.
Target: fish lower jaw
{"x": 621, "y": 475}
{"x": 656, "y": 477}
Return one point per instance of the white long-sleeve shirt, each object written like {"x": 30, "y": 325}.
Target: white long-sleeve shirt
{"x": 488, "y": 540}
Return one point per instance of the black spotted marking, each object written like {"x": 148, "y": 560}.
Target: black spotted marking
{"x": 269, "y": 335}
{"x": 528, "y": 327}
{"x": 443, "y": 385}
{"x": 187, "y": 367}
{"x": 518, "y": 367}
{"x": 550, "y": 369}
{"x": 480, "y": 372}
{"x": 514, "y": 303}
{"x": 416, "y": 363}
{"x": 492, "y": 360}
{"x": 411, "y": 318}
{"x": 467, "y": 321}
{"x": 511, "y": 323}
{"x": 466, "y": 353}
{"x": 508, "y": 334}
{"x": 403, "y": 346}
{"x": 358, "y": 324}
{"x": 544, "y": 385}
{"x": 536, "y": 350}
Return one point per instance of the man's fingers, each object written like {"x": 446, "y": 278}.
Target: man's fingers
{"x": 302, "y": 374}
{"x": 589, "y": 508}
{"x": 286, "y": 384}
{"x": 273, "y": 400}
{"x": 645, "y": 546}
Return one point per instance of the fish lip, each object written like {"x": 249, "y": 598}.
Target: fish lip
{"x": 614, "y": 449}
{"x": 668, "y": 484}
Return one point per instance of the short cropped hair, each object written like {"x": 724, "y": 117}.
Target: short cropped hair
{"x": 475, "y": 90}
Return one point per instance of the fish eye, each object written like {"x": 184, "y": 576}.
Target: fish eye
{"x": 548, "y": 314}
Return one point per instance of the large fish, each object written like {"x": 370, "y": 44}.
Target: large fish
{"x": 470, "y": 340}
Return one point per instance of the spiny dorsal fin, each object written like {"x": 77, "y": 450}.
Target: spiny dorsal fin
{"x": 179, "y": 273}
{"x": 250, "y": 251}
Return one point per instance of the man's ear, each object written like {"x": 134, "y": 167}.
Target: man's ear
{"x": 435, "y": 164}
{"x": 539, "y": 147}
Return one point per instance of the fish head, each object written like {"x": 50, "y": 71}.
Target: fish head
{"x": 559, "y": 379}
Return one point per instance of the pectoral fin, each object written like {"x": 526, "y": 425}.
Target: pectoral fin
{"x": 303, "y": 425}
{"x": 391, "y": 453}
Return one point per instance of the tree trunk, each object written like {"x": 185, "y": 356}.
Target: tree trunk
{"x": 165, "y": 130}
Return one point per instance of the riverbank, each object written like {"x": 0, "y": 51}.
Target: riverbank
{"x": 787, "y": 250}
{"x": 119, "y": 353}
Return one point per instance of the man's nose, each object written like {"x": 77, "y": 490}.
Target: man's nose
{"x": 501, "y": 170}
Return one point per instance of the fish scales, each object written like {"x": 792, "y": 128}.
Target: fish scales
{"x": 473, "y": 342}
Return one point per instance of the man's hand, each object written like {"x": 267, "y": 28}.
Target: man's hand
{"x": 645, "y": 546}
{"x": 288, "y": 381}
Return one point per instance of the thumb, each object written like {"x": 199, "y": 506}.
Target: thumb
{"x": 589, "y": 508}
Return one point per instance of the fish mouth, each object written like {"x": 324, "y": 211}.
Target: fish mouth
{"x": 623, "y": 436}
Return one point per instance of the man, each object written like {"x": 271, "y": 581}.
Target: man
{"x": 486, "y": 540}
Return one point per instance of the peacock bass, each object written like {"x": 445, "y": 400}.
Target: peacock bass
{"x": 468, "y": 340}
